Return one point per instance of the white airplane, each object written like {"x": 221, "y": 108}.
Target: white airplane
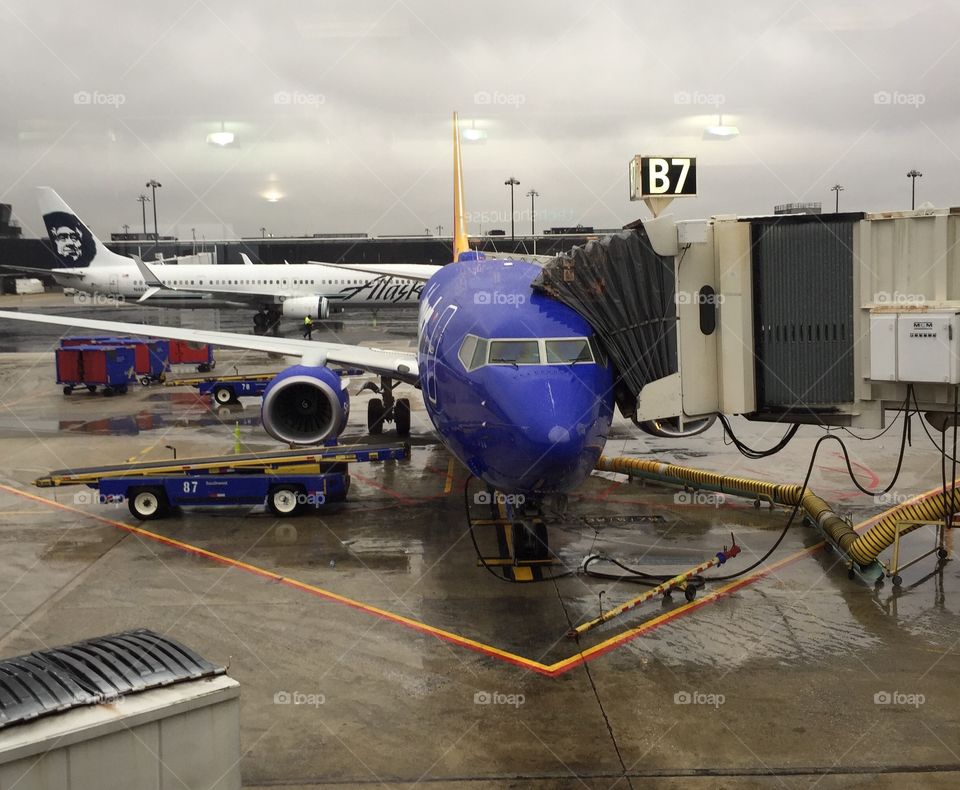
{"x": 293, "y": 290}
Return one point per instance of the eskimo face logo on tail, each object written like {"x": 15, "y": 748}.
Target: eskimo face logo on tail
{"x": 72, "y": 243}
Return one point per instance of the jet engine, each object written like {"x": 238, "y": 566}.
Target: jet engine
{"x": 670, "y": 428}
{"x": 303, "y": 306}
{"x": 305, "y": 405}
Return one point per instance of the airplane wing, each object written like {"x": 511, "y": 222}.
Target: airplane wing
{"x": 408, "y": 271}
{"x": 401, "y": 365}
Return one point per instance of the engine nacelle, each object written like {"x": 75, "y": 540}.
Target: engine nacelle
{"x": 670, "y": 428}
{"x": 303, "y": 306}
{"x": 305, "y": 405}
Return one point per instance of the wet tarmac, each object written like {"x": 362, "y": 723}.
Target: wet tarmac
{"x": 432, "y": 669}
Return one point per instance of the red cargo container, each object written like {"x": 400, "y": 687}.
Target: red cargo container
{"x": 186, "y": 352}
{"x": 69, "y": 365}
{"x": 109, "y": 367}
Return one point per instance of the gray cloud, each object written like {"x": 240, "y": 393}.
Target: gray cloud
{"x": 342, "y": 110}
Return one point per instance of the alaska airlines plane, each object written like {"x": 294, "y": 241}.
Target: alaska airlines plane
{"x": 513, "y": 381}
{"x": 293, "y": 290}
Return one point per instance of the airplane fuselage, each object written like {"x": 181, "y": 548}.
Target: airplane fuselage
{"x": 513, "y": 381}
{"x": 341, "y": 287}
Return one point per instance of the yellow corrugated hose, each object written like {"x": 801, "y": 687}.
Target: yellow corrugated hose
{"x": 863, "y": 549}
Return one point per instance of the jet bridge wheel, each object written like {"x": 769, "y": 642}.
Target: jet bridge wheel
{"x": 147, "y": 503}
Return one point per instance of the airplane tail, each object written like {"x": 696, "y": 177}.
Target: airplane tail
{"x": 73, "y": 242}
{"x": 461, "y": 242}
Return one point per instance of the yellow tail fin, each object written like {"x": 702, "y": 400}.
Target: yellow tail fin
{"x": 461, "y": 242}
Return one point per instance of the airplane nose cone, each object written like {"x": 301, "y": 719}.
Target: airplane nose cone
{"x": 560, "y": 427}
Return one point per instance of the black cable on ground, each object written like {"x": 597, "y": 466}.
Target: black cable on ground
{"x": 633, "y": 575}
{"x": 806, "y": 480}
{"x": 749, "y": 452}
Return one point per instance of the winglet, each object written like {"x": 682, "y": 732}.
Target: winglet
{"x": 148, "y": 276}
{"x": 246, "y": 259}
{"x": 461, "y": 242}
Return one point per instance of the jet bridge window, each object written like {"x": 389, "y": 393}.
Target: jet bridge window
{"x": 514, "y": 352}
{"x": 568, "y": 351}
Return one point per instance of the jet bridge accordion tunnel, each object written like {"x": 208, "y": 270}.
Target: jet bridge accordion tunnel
{"x": 822, "y": 319}
{"x": 137, "y": 704}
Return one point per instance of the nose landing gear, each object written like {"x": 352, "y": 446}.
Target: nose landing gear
{"x": 523, "y": 549}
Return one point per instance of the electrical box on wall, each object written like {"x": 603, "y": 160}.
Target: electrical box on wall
{"x": 915, "y": 347}
{"x": 926, "y": 344}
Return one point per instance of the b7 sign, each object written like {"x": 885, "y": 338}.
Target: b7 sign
{"x": 662, "y": 176}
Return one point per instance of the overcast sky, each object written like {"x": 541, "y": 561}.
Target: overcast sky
{"x": 341, "y": 110}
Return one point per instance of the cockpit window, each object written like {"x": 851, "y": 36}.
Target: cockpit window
{"x": 467, "y": 347}
{"x": 568, "y": 351}
{"x": 473, "y": 352}
{"x": 514, "y": 352}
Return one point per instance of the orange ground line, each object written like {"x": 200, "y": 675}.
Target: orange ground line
{"x": 552, "y": 670}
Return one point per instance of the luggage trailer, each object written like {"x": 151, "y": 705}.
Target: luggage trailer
{"x": 288, "y": 482}
{"x": 230, "y": 388}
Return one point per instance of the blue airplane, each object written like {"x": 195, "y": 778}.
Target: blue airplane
{"x": 514, "y": 382}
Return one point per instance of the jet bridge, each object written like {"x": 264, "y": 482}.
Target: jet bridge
{"x": 822, "y": 319}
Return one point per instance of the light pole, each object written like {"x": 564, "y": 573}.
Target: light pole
{"x": 533, "y": 195}
{"x": 154, "y": 185}
{"x": 511, "y": 182}
{"x": 143, "y": 200}
{"x": 913, "y": 175}
{"x": 193, "y": 232}
{"x": 263, "y": 233}
{"x": 837, "y": 188}
{"x": 439, "y": 230}
{"x": 126, "y": 230}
